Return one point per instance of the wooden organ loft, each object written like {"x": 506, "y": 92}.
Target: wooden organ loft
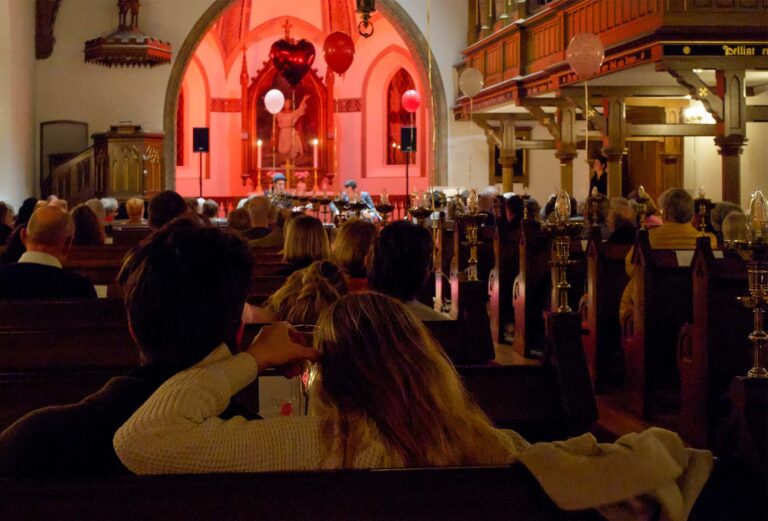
{"x": 520, "y": 48}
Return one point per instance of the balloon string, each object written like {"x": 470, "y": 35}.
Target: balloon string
{"x": 274, "y": 148}
{"x": 429, "y": 74}
{"x": 293, "y": 134}
{"x": 471, "y": 113}
{"x": 586, "y": 121}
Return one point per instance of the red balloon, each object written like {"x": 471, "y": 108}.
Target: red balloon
{"x": 411, "y": 100}
{"x": 292, "y": 59}
{"x": 585, "y": 54}
{"x": 339, "y": 51}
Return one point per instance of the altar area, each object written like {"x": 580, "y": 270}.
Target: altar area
{"x": 330, "y": 128}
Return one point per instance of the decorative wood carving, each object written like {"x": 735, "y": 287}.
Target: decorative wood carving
{"x": 45, "y": 17}
{"x": 349, "y": 105}
{"x": 226, "y": 105}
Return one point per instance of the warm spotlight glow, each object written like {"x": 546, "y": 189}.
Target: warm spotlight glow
{"x": 259, "y": 143}
{"x": 696, "y": 113}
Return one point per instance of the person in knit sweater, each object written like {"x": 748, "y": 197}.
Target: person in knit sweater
{"x": 384, "y": 394}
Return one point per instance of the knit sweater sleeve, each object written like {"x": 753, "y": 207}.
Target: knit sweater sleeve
{"x": 177, "y": 430}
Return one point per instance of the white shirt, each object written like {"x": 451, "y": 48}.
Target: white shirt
{"x": 38, "y": 257}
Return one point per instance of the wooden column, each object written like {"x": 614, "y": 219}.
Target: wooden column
{"x": 671, "y": 165}
{"x": 614, "y": 142}
{"x": 732, "y": 131}
{"x": 566, "y": 146}
{"x": 507, "y": 157}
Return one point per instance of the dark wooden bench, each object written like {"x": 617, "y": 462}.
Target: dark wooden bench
{"x": 99, "y": 264}
{"x": 662, "y": 305}
{"x": 56, "y": 352}
{"x": 506, "y": 254}
{"x": 715, "y": 348}
{"x": 129, "y": 235}
{"x": 530, "y": 289}
{"x": 262, "y": 286}
{"x": 606, "y": 280}
{"x": 488, "y": 493}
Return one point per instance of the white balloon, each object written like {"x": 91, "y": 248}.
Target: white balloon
{"x": 274, "y": 101}
{"x": 471, "y": 82}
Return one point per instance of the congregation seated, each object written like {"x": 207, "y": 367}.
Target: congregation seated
{"x": 303, "y": 296}
{"x": 111, "y": 208}
{"x": 718, "y": 215}
{"x": 25, "y": 212}
{"x": 675, "y": 233}
{"x": 258, "y": 208}
{"x": 6, "y": 220}
{"x": 350, "y": 249}
{"x": 276, "y": 237}
{"x": 621, "y": 223}
{"x": 400, "y": 265}
{"x": 164, "y": 207}
{"x": 38, "y": 273}
{"x": 735, "y": 227}
{"x": 89, "y": 230}
{"x": 239, "y": 221}
{"x": 305, "y": 242}
{"x": 134, "y": 208}
{"x": 603, "y": 209}
{"x": 163, "y": 283}
{"x": 210, "y": 209}
{"x": 98, "y": 208}
{"x": 55, "y": 201}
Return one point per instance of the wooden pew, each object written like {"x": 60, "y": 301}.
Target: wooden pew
{"x": 716, "y": 349}
{"x": 99, "y": 264}
{"x": 129, "y": 235}
{"x": 606, "y": 280}
{"x": 444, "y": 255}
{"x": 530, "y": 289}
{"x": 262, "y": 286}
{"x": 662, "y": 305}
{"x": 506, "y": 254}
{"x": 56, "y": 352}
{"x": 444, "y": 494}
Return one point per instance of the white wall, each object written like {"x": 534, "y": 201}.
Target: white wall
{"x": 17, "y": 112}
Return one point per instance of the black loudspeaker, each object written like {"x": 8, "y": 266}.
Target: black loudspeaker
{"x": 408, "y": 139}
{"x": 200, "y": 139}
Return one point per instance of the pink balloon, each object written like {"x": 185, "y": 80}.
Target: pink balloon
{"x": 585, "y": 54}
{"x": 411, "y": 100}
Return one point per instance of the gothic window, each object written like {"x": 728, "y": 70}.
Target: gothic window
{"x": 180, "y": 130}
{"x": 397, "y": 117}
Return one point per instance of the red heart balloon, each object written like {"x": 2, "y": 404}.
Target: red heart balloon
{"x": 292, "y": 59}
{"x": 339, "y": 51}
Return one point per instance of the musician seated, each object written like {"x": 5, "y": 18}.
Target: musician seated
{"x": 38, "y": 273}
{"x": 400, "y": 265}
{"x": 675, "y": 233}
{"x": 277, "y": 192}
{"x": 351, "y": 195}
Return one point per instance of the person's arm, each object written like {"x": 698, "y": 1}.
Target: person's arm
{"x": 177, "y": 430}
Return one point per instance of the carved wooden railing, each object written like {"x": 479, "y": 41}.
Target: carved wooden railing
{"x": 76, "y": 180}
{"x": 526, "y": 41}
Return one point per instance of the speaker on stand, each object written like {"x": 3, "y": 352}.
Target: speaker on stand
{"x": 200, "y": 144}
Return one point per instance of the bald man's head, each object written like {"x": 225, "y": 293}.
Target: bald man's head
{"x": 50, "y": 230}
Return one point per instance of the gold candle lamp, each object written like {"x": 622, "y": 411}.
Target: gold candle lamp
{"x": 563, "y": 229}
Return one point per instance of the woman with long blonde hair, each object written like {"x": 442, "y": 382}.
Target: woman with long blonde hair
{"x": 350, "y": 249}
{"x": 306, "y": 241}
{"x": 384, "y": 395}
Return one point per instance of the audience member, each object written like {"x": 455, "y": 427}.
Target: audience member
{"x": 304, "y": 295}
{"x": 276, "y": 237}
{"x": 98, "y": 209}
{"x": 59, "y": 203}
{"x": 676, "y": 233}
{"x": 238, "y": 220}
{"x": 400, "y": 265}
{"x": 351, "y": 247}
{"x": 513, "y": 211}
{"x": 134, "y": 207}
{"x": 163, "y": 281}
{"x": 719, "y": 213}
{"x": 652, "y": 218}
{"x": 603, "y": 207}
{"x": 111, "y": 208}
{"x": 306, "y": 241}
{"x": 25, "y": 212}
{"x": 164, "y": 207}
{"x": 734, "y": 227}
{"x": 6, "y": 220}
{"x": 210, "y": 209}
{"x": 14, "y": 246}
{"x": 621, "y": 222}
{"x": 368, "y": 346}
{"x": 38, "y": 273}
{"x": 258, "y": 208}
{"x": 88, "y": 228}
{"x": 193, "y": 204}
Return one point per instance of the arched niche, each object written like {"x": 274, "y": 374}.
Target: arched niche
{"x": 392, "y": 10}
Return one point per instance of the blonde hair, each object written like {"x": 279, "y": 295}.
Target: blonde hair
{"x": 305, "y": 237}
{"x": 307, "y": 292}
{"x": 352, "y": 244}
{"x": 134, "y": 207}
{"x": 383, "y": 379}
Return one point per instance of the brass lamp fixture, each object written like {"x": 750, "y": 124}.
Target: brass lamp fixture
{"x": 702, "y": 204}
{"x": 384, "y": 207}
{"x": 421, "y": 208}
{"x": 593, "y": 204}
{"x": 756, "y": 250}
{"x": 563, "y": 229}
{"x": 365, "y": 8}
{"x": 473, "y": 217}
{"x": 128, "y": 46}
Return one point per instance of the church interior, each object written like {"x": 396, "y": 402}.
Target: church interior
{"x": 384, "y": 259}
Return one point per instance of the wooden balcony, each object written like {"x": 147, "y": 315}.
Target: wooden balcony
{"x": 521, "y": 53}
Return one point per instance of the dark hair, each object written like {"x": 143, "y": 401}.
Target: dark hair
{"x": 164, "y": 207}
{"x": 88, "y": 229}
{"x": 25, "y": 212}
{"x": 515, "y": 205}
{"x": 239, "y": 220}
{"x": 350, "y": 183}
{"x": 210, "y": 208}
{"x": 402, "y": 259}
{"x": 603, "y": 160}
{"x": 185, "y": 287}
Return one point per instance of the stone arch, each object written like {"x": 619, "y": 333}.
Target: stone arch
{"x": 397, "y": 16}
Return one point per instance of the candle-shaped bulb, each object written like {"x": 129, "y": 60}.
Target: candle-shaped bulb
{"x": 563, "y": 207}
{"x": 384, "y": 196}
{"x": 758, "y": 216}
{"x": 641, "y": 191}
{"x": 473, "y": 201}
{"x": 259, "y": 142}
{"x": 702, "y": 193}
